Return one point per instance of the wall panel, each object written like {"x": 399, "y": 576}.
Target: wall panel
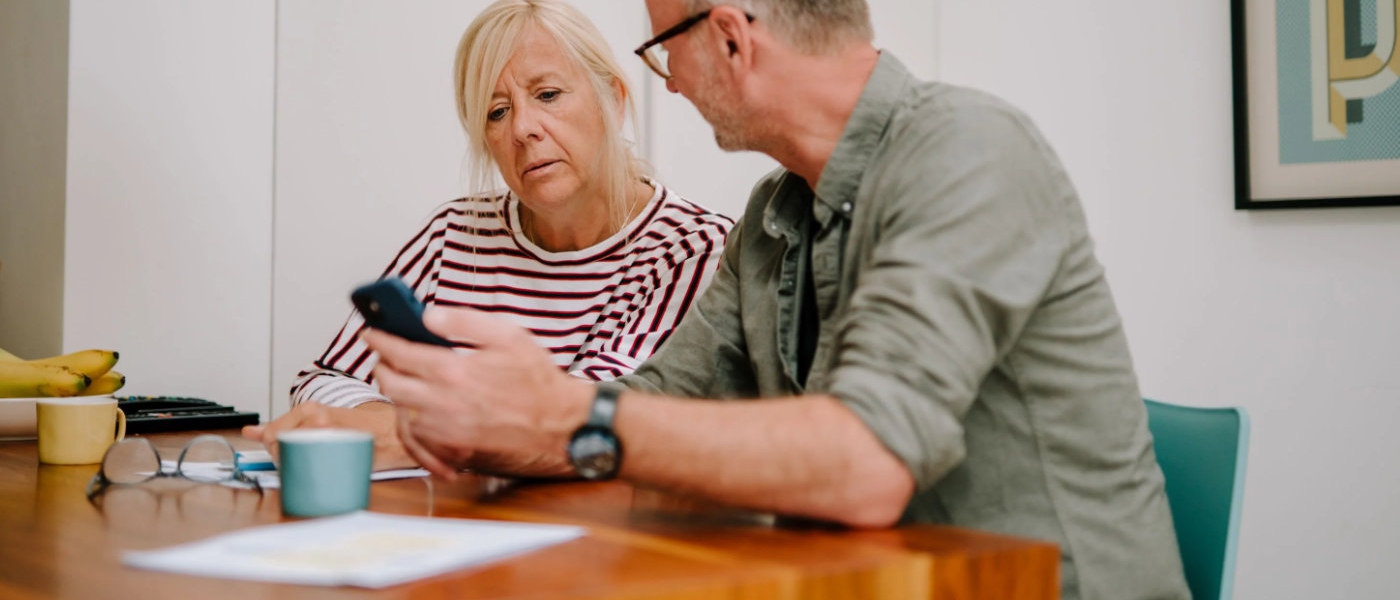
{"x": 169, "y": 193}
{"x": 33, "y": 124}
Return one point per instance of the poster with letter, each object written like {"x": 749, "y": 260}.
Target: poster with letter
{"x": 1317, "y": 103}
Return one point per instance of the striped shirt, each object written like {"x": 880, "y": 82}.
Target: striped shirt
{"x": 600, "y": 311}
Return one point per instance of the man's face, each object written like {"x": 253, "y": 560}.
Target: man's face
{"x": 696, "y": 73}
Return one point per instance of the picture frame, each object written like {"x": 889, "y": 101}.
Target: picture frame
{"x": 1316, "y": 103}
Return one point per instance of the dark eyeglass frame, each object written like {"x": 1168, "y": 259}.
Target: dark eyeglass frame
{"x": 673, "y": 31}
{"x": 101, "y": 483}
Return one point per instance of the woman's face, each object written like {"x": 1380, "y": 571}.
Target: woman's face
{"x": 544, "y": 127}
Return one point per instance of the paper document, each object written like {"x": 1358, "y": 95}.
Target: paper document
{"x": 269, "y": 479}
{"x": 362, "y": 549}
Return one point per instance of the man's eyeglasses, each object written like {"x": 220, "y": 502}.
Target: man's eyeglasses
{"x": 655, "y": 55}
{"x": 204, "y": 459}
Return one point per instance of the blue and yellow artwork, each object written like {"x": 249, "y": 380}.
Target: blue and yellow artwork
{"x": 1338, "y": 80}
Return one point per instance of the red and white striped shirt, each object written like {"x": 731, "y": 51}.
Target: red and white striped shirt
{"x": 600, "y": 311}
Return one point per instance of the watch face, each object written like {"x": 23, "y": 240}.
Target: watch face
{"x": 594, "y": 453}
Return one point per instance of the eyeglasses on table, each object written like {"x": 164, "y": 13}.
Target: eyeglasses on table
{"x": 207, "y": 458}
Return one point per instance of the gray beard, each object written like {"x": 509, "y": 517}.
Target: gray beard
{"x": 728, "y": 144}
{"x": 730, "y": 133}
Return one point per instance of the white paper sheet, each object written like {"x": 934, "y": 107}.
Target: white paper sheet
{"x": 361, "y": 549}
{"x": 269, "y": 480}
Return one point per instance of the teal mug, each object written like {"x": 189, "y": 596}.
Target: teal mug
{"x": 324, "y": 471}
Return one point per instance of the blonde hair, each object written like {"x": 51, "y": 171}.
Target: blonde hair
{"x": 811, "y": 26}
{"x": 486, "y": 47}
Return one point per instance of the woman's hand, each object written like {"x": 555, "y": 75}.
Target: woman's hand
{"x": 504, "y": 408}
{"x": 377, "y": 418}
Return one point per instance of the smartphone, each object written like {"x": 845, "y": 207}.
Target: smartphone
{"x": 389, "y": 305}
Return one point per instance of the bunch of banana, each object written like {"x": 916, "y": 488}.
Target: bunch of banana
{"x": 82, "y": 373}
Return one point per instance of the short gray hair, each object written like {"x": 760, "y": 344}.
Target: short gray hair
{"x": 810, "y": 26}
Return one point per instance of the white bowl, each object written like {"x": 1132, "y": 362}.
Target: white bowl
{"x": 17, "y": 418}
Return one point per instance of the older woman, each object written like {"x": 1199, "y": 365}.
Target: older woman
{"x": 595, "y": 258}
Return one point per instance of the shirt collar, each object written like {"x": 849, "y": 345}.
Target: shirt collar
{"x": 865, "y": 128}
{"x": 851, "y": 158}
{"x": 786, "y": 207}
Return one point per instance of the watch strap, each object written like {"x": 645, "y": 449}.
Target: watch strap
{"x": 604, "y": 408}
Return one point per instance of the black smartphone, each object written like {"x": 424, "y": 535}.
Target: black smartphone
{"x": 389, "y": 305}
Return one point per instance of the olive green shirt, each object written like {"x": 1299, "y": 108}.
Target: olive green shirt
{"x": 964, "y": 319}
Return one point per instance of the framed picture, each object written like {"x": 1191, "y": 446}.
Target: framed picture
{"x": 1317, "y": 103}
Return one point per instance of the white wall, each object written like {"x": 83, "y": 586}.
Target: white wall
{"x": 169, "y": 203}
{"x": 33, "y": 118}
{"x": 1288, "y": 314}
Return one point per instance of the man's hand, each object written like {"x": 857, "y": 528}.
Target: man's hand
{"x": 505, "y": 408}
{"x": 377, "y": 418}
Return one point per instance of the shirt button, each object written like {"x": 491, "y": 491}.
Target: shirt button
{"x": 846, "y": 207}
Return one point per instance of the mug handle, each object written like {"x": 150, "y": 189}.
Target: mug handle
{"x": 121, "y": 425}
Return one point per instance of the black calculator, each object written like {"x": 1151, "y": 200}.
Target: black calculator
{"x": 154, "y": 414}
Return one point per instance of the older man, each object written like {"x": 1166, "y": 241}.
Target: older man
{"x": 913, "y": 296}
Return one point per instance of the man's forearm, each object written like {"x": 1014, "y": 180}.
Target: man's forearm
{"x": 808, "y": 456}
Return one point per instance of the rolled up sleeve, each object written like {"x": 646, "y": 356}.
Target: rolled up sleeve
{"x": 963, "y": 259}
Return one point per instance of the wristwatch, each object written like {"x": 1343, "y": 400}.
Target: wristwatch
{"x": 594, "y": 449}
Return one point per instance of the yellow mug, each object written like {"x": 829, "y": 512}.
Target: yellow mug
{"x": 78, "y": 431}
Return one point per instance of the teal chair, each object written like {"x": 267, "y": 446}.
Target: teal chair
{"x": 1202, "y": 452}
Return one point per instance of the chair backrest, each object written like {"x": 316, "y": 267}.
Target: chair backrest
{"x": 1202, "y": 452}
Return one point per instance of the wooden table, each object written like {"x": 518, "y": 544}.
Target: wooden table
{"x": 640, "y": 544}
